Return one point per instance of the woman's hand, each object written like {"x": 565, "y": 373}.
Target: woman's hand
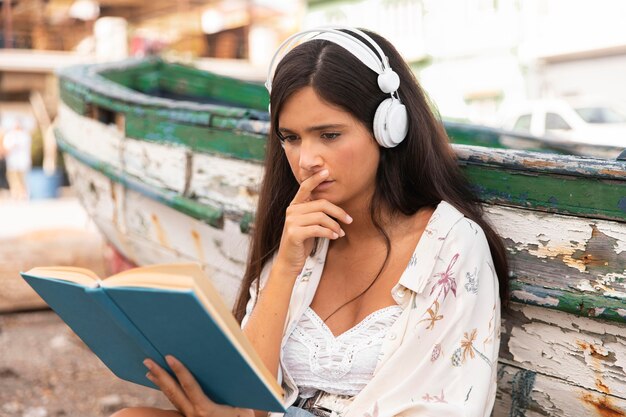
{"x": 185, "y": 394}
{"x": 305, "y": 220}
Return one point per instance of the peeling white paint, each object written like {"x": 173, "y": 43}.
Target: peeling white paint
{"x": 526, "y": 296}
{"x": 231, "y": 183}
{"x": 599, "y": 311}
{"x": 551, "y": 236}
{"x": 612, "y": 293}
{"x": 585, "y": 285}
{"x": 552, "y": 398}
{"x": 90, "y": 136}
{"x": 617, "y": 233}
{"x": 559, "y": 236}
{"x": 157, "y": 164}
{"x": 554, "y": 344}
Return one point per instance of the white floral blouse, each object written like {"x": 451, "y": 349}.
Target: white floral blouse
{"x": 440, "y": 356}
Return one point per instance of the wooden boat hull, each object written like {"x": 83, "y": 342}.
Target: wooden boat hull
{"x": 177, "y": 186}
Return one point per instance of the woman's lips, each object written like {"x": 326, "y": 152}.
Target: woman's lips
{"x": 323, "y": 186}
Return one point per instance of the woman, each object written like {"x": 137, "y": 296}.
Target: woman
{"x": 378, "y": 275}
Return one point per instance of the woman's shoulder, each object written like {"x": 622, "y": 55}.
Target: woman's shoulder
{"x": 457, "y": 229}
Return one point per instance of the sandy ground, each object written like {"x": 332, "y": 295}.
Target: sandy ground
{"x": 45, "y": 370}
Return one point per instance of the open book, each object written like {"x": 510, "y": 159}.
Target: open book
{"x": 153, "y": 311}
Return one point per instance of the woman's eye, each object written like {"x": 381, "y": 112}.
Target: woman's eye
{"x": 330, "y": 135}
{"x": 289, "y": 138}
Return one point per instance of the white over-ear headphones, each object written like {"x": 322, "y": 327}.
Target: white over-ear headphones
{"x": 390, "y": 120}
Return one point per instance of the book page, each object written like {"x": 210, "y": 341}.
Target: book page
{"x": 82, "y": 276}
{"x": 176, "y": 276}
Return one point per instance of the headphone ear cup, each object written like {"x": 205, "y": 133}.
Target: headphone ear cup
{"x": 390, "y": 123}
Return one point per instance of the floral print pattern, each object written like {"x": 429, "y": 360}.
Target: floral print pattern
{"x": 433, "y": 312}
{"x": 434, "y": 398}
{"x": 446, "y": 281}
{"x": 471, "y": 281}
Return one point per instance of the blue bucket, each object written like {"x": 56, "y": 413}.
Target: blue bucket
{"x": 42, "y": 185}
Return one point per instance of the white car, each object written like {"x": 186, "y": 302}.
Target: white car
{"x": 586, "y": 128}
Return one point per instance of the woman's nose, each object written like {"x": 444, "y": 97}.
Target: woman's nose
{"x": 310, "y": 156}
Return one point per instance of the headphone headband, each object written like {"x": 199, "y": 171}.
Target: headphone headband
{"x": 376, "y": 61}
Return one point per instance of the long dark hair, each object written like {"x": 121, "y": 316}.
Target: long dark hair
{"x": 420, "y": 171}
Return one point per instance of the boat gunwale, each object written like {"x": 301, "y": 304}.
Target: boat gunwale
{"x": 541, "y": 162}
{"x": 526, "y": 160}
{"x": 90, "y": 77}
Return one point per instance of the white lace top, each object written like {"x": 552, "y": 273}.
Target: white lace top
{"x": 317, "y": 360}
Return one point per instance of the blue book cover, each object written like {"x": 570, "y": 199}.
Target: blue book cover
{"x": 124, "y": 324}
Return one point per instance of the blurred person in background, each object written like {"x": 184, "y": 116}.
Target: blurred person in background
{"x": 16, "y": 150}
{"x": 3, "y": 164}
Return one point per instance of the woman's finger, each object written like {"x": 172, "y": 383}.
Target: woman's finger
{"x": 188, "y": 383}
{"x": 307, "y": 186}
{"x": 318, "y": 231}
{"x": 201, "y": 404}
{"x": 169, "y": 386}
{"x": 318, "y": 219}
{"x": 324, "y": 206}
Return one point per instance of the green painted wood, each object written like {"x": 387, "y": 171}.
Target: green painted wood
{"x": 246, "y": 223}
{"x": 145, "y": 82}
{"x": 196, "y": 83}
{"x": 242, "y": 146}
{"x": 556, "y": 193}
{"x": 154, "y": 75}
{"x": 132, "y": 76}
{"x": 155, "y": 129}
{"x": 238, "y": 145}
{"x": 578, "y": 303}
{"x": 73, "y": 101}
{"x": 87, "y": 82}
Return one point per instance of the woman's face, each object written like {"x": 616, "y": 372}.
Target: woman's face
{"x": 317, "y": 136}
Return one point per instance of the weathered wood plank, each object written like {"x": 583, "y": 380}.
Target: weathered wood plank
{"x": 90, "y": 136}
{"x": 524, "y": 393}
{"x": 148, "y": 232}
{"x": 205, "y": 212}
{"x": 584, "y": 352}
{"x": 162, "y": 166}
{"x": 554, "y": 183}
{"x": 572, "y": 264}
{"x": 537, "y": 162}
{"x": 232, "y": 182}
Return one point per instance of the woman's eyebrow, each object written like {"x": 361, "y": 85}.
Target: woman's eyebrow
{"x": 315, "y": 128}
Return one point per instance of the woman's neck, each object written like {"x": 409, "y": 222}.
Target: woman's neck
{"x": 363, "y": 229}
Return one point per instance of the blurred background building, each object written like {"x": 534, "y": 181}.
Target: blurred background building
{"x": 476, "y": 58}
